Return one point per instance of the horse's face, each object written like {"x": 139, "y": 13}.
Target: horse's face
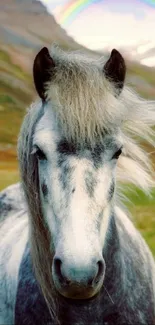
{"x": 76, "y": 190}
{"x": 77, "y": 182}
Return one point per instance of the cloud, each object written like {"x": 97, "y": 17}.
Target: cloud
{"x": 52, "y": 4}
{"x": 111, "y": 29}
{"x": 111, "y": 23}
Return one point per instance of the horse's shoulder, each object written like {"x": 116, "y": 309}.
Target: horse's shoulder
{"x": 125, "y": 225}
{"x": 30, "y": 305}
{"x": 11, "y": 201}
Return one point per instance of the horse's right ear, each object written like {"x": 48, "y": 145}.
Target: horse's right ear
{"x": 115, "y": 70}
{"x": 42, "y": 71}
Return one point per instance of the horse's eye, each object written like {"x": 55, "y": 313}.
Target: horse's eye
{"x": 117, "y": 154}
{"x": 40, "y": 154}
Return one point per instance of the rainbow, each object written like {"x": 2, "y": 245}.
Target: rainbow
{"x": 73, "y": 8}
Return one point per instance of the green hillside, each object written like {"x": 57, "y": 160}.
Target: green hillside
{"x": 16, "y": 93}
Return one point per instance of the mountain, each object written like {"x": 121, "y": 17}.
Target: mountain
{"x": 27, "y": 23}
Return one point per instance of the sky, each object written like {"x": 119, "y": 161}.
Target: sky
{"x": 112, "y": 23}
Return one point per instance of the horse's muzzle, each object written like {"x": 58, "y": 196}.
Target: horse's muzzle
{"x": 78, "y": 281}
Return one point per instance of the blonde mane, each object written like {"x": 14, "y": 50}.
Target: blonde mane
{"x": 85, "y": 105}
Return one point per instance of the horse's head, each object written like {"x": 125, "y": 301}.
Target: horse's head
{"x": 76, "y": 145}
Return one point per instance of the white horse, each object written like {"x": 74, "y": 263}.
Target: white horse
{"x": 69, "y": 254}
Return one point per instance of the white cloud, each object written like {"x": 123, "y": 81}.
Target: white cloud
{"x": 150, "y": 62}
{"x": 111, "y": 28}
{"x": 52, "y": 4}
{"x": 105, "y": 27}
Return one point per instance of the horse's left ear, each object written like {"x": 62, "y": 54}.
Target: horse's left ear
{"x": 42, "y": 71}
{"x": 115, "y": 70}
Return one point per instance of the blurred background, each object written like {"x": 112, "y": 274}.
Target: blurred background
{"x": 96, "y": 27}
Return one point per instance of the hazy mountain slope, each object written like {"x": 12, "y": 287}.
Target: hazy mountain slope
{"x": 27, "y": 23}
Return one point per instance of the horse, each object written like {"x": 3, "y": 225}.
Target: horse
{"x": 69, "y": 252}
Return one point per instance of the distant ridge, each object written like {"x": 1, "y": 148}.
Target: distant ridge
{"x": 28, "y": 23}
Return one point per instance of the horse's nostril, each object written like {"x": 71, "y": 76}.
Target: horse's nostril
{"x": 58, "y": 271}
{"x": 100, "y": 271}
{"x": 57, "y": 266}
{"x": 99, "y": 274}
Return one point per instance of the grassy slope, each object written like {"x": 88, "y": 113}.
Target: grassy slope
{"x": 13, "y": 101}
{"x": 142, "y": 209}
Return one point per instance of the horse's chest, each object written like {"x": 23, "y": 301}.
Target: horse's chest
{"x": 30, "y": 308}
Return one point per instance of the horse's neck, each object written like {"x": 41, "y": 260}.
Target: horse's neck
{"x": 112, "y": 243}
{"x": 112, "y": 253}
